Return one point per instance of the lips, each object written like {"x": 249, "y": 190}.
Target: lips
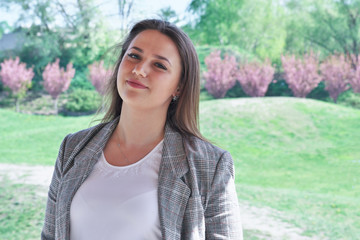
{"x": 135, "y": 84}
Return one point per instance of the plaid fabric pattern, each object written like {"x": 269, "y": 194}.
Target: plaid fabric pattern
{"x": 197, "y": 197}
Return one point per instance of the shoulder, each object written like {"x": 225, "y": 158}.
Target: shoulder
{"x": 199, "y": 148}
{"x": 74, "y": 138}
{"x": 79, "y": 139}
{"x": 203, "y": 154}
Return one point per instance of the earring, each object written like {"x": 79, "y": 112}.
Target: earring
{"x": 175, "y": 98}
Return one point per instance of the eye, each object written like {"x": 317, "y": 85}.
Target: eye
{"x": 159, "y": 65}
{"x": 133, "y": 55}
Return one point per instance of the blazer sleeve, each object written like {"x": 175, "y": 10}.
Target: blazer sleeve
{"x": 48, "y": 231}
{"x": 222, "y": 214}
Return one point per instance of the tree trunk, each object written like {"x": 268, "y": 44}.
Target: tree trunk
{"x": 17, "y": 104}
{"x": 56, "y": 106}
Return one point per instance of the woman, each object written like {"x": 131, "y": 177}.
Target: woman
{"x": 145, "y": 172}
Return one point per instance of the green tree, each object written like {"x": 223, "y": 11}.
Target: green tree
{"x": 262, "y": 28}
{"x": 4, "y": 26}
{"x": 326, "y": 25}
{"x": 253, "y": 25}
{"x": 168, "y": 14}
{"x": 217, "y": 20}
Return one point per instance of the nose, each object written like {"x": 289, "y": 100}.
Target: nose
{"x": 139, "y": 70}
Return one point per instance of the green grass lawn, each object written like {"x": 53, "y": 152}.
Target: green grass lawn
{"x": 299, "y": 156}
{"x": 35, "y": 139}
{"x": 21, "y": 211}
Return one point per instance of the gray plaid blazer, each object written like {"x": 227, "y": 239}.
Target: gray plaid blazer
{"x": 196, "y": 191}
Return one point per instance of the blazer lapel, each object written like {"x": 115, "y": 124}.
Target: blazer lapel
{"x": 78, "y": 167}
{"x": 173, "y": 193}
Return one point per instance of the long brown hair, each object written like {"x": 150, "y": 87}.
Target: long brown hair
{"x": 183, "y": 114}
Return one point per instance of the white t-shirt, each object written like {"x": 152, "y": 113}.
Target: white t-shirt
{"x": 118, "y": 202}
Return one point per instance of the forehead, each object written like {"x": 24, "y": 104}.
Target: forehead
{"x": 155, "y": 42}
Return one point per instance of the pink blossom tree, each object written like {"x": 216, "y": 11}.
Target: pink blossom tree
{"x": 336, "y": 72}
{"x": 98, "y": 76}
{"x": 301, "y": 75}
{"x": 57, "y": 80}
{"x": 255, "y": 77}
{"x": 15, "y": 76}
{"x": 221, "y": 74}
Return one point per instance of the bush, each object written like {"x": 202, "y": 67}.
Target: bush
{"x": 221, "y": 74}
{"x": 336, "y": 72}
{"x": 278, "y": 87}
{"x": 81, "y": 81}
{"x": 204, "y": 95}
{"x": 319, "y": 92}
{"x": 84, "y": 101}
{"x": 301, "y": 74}
{"x": 255, "y": 77}
{"x": 236, "y": 91}
{"x": 350, "y": 99}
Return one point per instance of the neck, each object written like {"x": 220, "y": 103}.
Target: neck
{"x": 140, "y": 128}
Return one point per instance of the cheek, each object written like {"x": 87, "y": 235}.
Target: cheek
{"x": 122, "y": 70}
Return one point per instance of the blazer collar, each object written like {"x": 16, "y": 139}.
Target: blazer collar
{"x": 173, "y": 155}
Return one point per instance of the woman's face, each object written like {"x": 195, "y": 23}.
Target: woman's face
{"x": 149, "y": 73}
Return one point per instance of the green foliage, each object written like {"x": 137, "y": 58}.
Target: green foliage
{"x": 279, "y": 87}
{"x": 204, "y": 95}
{"x": 81, "y": 81}
{"x": 325, "y": 26}
{"x": 6, "y": 100}
{"x": 216, "y": 17}
{"x": 168, "y": 14}
{"x": 98, "y": 40}
{"x": 269, "y": 28}
{"x": 236, "y": 91}
{"x": 4, "y": 26}
{"x": 319, "y": 93}
{"x": 86, "y": 101}
{"x": 255, "y": 26}
{"x": 204, "y": 50}
{"x": 349, "y": 99}
{"x": 262, "y": 28}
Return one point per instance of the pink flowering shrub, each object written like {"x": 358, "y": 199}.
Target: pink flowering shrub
{"x": 99, "y": 76}
{"x": 221, "y": 74}
{"x": 57, "y": 80}
{"x": 15, "y": 76}
{"x": 336, "y": 72}
{"x": 255, "y": 77}
{"x": 301, "y": 75}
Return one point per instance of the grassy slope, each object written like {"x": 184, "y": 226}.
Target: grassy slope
{"x": 298, "y": 156}
{"x": 301, "y": 157}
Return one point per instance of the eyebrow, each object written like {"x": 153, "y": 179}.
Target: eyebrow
{"x": 157, "y": 56}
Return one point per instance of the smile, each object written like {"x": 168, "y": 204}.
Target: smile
{"x": 135, "y": 84}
